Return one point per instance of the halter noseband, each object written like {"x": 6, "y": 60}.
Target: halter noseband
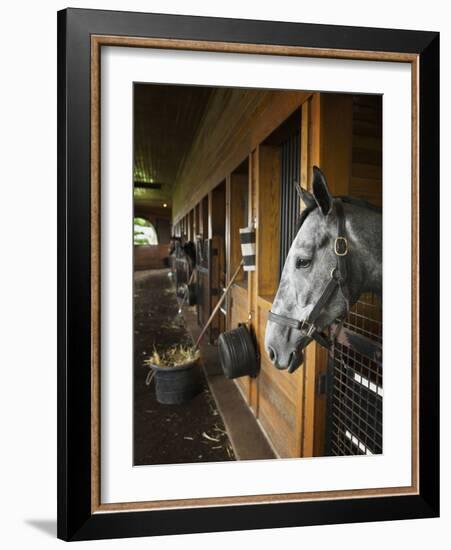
{"x": 338, "y": 279}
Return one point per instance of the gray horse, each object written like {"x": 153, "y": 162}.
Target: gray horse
{"x": 317, "y": 255}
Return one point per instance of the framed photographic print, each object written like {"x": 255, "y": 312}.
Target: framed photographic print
{"x": 248, "y": 274}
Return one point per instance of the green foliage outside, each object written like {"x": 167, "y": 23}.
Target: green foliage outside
{"x": 144, "y": 232}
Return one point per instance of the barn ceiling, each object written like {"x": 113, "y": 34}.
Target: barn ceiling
{"x": 166, "y": 119}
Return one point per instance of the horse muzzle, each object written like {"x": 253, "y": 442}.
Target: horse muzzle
{"x": 285, "y": 349}
{"x": 295, "y": 359}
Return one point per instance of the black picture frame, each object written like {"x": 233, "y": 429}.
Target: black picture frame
{"x": 75, "y": 519}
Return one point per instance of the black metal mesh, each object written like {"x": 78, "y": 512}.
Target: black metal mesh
{"x": 356, "y": 389}
{"x": 366, "y": 318}
{"x": 289, "y": 199}
{"x": 203, "y": 283}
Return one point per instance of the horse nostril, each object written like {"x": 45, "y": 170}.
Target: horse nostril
{"x": 272, "y": 354}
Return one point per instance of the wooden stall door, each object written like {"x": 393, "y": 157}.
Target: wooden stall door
{"x": 345, "y": 143}
{"x": 237, "y": 216}
{"x": 203, "y": 295}
{"x": 209, "y": 253}
{"x": 216, "y": 281}
{"x": 215, "y": 207}
{"x": 280, "y": 395}
{"x": 355, "y": 372}
{"x": 327, "y": 125}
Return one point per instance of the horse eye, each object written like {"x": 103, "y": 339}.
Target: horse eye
{"x": 302, "y": 262}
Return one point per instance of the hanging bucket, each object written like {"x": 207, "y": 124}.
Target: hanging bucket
{"x": 181, "y": 291}
{"x": 187, "y": 293}
{"x": 177, "y": 385}
{"x": 237, "y": 353}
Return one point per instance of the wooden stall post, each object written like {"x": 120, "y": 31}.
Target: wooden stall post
{"x": 280, "y": 401}
{"x": 217, "y": 234}
{"x": 203, "y": 217}
{"x": 191, "y": 225}
{"x": 196, "y": 225}
{"x": 252, "y": 275}
{"x": 238, "y": 216}
{"x": 209, "y": 219}
{"x": 327, "y": 120}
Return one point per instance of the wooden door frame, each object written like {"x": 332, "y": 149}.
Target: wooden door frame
{"x": 327, "y": 124}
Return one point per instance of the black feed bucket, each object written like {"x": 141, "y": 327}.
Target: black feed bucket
{"x": 237, "y": 353}
{"x": 176, "y": 385}
{"x": 187, "y": 293}
{"x": 181, "y": 291}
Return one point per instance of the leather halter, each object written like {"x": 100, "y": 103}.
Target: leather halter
{"x": 338, "y": 279}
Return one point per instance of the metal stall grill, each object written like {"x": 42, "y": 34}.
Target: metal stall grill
{"x": 289, "y": 200}
{"x": 182, "y": 267}
{"x": 209, "y": 255}
{"x": 203, "y": 286}
{"x": 355, "y": 382}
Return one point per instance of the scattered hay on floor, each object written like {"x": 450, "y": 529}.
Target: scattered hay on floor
{"x": 176, "y": 324}
{"x": 229, "y": 450}
{"x": 174, "y": 356}
{"x": 215, "y": 439}
{"x": 169, "y": 291}
{"x": 218, "y": 440}
{"x": 211, "y": 403}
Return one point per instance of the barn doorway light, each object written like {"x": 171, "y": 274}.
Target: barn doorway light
{"x": 144, "y": 232}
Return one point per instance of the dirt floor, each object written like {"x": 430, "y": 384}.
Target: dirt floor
{"x": 169, "y": 434}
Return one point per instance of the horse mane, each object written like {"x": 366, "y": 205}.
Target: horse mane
{"x": 360, "y": 202}
{"x": 346, "y": 199}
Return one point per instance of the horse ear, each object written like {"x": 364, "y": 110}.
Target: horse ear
{"x": 321, "y": 192}
{"x": 305, "y": 196}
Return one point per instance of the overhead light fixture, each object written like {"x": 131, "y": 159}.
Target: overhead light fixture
{"x": 165, "y": 205}
{"x": 147, "y": 185}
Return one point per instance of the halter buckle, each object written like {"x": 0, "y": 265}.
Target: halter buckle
{"x": 311, "y": 328}
{"x": 345, "y": 250}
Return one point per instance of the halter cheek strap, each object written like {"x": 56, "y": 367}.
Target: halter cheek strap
{"x": 338, "y": 279}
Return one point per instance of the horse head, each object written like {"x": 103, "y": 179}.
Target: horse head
{"x": 189, "y": 249}
{"x": 335, "y": 256}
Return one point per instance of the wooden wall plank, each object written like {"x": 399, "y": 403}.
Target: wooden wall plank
{"x": 217, "y": 282}
{"x": 305, "y": 129}
{"x": 236, "y": 122}
{"x": 366, "y": 181}
{"x": 239, "y": 198}
{"x": 239, "y": 314}
{"x": 280, "y": 394}
{"x": 268, "y": 243}
{"x": 238, "y": 217}
{"x": 217, "y": 211}
{"x": 278, "y": 398}
{"x": 336, "y": 141}
{"x": 203, "y": 217}
{"x": 191, "y": 225}
{"x": 196, "y": 221}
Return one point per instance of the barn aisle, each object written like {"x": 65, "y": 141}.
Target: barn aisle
{"x": 169, "y": 434}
